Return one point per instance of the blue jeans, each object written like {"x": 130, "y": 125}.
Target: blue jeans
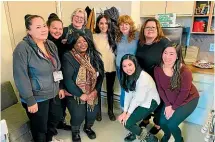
{"x": 122, "y": 94}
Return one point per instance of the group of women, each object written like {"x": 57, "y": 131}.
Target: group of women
{"x": 58, "y": 67}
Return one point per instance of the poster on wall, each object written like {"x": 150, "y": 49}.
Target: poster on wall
{"x": 167, "y": 20}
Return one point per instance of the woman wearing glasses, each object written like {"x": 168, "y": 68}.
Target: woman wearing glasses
{"x": 151, "y": 44}
{"x": 78, "y": 22}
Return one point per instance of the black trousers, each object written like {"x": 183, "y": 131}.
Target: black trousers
{"x": 79, "y": 113}
{"x": 63, "y": 105}
{"x": 43, "y": 123}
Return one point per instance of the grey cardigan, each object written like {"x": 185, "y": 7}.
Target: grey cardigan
{"x": 33, "y": 74}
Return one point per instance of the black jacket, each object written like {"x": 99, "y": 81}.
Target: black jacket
{"x": 70, "y": 68}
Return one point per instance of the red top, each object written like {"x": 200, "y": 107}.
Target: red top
{"x": 180, "y": 96}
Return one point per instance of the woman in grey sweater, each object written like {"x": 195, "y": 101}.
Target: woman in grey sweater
{"x": 36, "y": 73}
{"x": 141, "y": 96}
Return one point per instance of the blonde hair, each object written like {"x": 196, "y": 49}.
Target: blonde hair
{"x": 160, "y": 33}
{"x": 80, "y": 10}
{"x": 125, "y": 19}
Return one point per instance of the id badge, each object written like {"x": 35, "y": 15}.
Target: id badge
{"x": 57, "y": 76}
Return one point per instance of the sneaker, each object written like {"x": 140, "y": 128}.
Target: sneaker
{"x": 130, "y": 137}
{"x": 54, "y": 139}
{"x": 150, "y": 138}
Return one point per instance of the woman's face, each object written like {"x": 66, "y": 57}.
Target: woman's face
{"x": 81, "y": 45}
{"x": 78, "y": 20}
{"x": 128, "y": 66}
{"x": 56, "y": 29}
{"x": 169, "y": 56}
{"x": 38, "y": 29}
{"x": 124, "y": 28}
{"x": 150, "y": 30}
{"x": 103, "y": 25}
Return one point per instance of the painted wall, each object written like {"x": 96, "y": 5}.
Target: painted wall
{"x": 6, "y": 50}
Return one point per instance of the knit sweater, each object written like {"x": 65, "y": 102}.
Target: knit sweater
{"x": 178, "y": 97}
{"x": 108, "y": 57}
{"x": 125, "y": 47}
{"x": 142, "y": 96}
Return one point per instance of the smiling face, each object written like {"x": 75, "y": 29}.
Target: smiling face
{"x": 38, "y": 29}
{"x": 169, "y": 56}
{"x": 124, "y": 28}
{"x": 78, "y": 20}
{"x": 128, "y": 67}
{"x": 103, "y": 25}
{"x": 81, "y": 45}
{"x": 150, "y": 30}
{"x": 56, "y": 29}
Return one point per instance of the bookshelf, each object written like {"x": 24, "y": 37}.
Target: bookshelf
{"x": 203, "y": 17}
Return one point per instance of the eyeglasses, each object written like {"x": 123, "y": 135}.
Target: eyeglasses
{"x": 78, "y": 18}
{"x": 150, "y": 28}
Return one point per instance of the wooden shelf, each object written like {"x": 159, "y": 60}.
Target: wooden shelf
{"x": 201, "y": 15}
{"x": 203, "y": 33}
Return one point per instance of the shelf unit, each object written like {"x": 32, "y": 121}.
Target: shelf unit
{"x": 208, "y": 18}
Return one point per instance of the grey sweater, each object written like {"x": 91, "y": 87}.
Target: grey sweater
{"x": 33, "y": 73}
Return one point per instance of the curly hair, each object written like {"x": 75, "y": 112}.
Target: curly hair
{"x": 160, "y": 34}
{"x": 125, "y": 19}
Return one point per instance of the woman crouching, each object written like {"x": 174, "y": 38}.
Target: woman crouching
{"x": 141, "y": 96}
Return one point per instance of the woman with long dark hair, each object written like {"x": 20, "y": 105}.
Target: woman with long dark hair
{"x": 175, "y": 87}
{"x": 83, "y": 72}
{"x": 105, "y": 44}
{"x": 141, "y": 96}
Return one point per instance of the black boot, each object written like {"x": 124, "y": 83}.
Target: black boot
{"x": 110, "y": 106}
{"x": 64, "y": 126}
{"x": 90, "y": 133}
{"x": 130, "y": 137}
{"x": 99, "y": 114}
{"x": 76, "y": 136}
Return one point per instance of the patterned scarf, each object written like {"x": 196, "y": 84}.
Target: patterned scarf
{"x": 86, "y": 78}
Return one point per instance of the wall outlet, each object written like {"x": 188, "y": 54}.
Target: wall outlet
{"x": 211, "y": 47}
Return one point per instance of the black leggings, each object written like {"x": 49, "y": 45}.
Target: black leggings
{"x": 171, "y": 126}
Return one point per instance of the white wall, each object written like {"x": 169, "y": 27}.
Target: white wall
{"x": 6, "y": 50}
{"x": 67, "y": 7}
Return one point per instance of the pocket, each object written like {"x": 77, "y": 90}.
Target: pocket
{"x": 36, "y": 85}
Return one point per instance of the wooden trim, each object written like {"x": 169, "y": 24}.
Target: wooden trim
{"x": 206, "y": 33}
{"x": 201, "y": 15}
{"x": 210, "y": 16}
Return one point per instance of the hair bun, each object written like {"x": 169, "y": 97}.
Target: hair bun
{"x": 53, "y": 15}
{"x": 27, "y": 16}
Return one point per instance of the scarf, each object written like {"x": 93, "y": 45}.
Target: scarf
{"x": 86, "y": 78}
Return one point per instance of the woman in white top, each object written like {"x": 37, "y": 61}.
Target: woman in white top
{"x": 105, "y": 44}
{"x": 141, "y": 96}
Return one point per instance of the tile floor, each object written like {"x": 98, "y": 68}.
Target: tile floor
{"x": 108, "y": 131}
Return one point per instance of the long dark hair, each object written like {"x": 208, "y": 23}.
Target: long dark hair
{"x": 110, "y": 31}
{"x": 53, "y": 17}
{"x": 127, "y": 82}
{"x": 94, "y": 55}
{"x": 175, "y": 81}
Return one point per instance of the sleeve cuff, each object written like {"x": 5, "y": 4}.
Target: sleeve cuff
{"x": 174, "y": 107}
{"x": 30, "y": 101}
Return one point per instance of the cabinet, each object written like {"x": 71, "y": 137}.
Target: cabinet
{"x": 205, "y": 86}
{"x": 148, "y": 8}
{"x": 151, "y": 8}
{"x": 180, "y": 7}
{"x": 203, "y": 17}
